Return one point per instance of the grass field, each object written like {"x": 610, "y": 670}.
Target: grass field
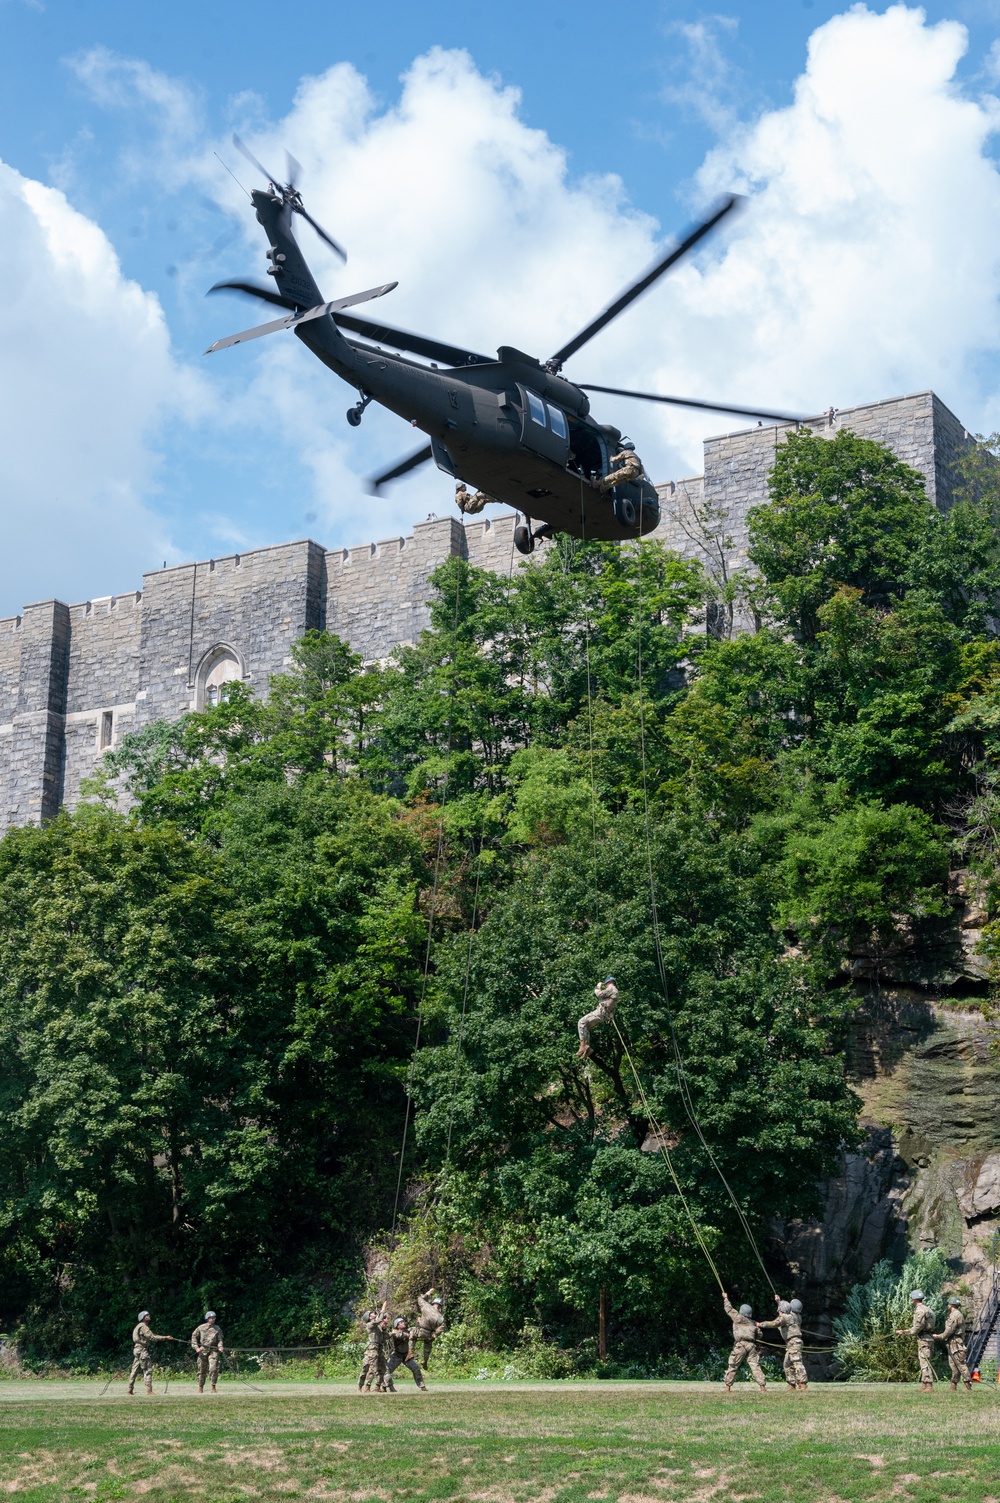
{"x": 557, "y": 1442}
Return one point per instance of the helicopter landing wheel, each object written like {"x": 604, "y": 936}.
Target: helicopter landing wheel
{"x": 355, "y": 414}
{"x": 523, "y": 540}
{"x": 626, "y": 511}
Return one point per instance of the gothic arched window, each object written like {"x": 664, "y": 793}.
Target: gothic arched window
{"x": 218, "y": 668}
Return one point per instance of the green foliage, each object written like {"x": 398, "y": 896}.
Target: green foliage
{"x": 209, "y": 1004}
{"x": 860, "y": 876}
{"x": 868, "y": 1350}
{"x": 842, "y": 511}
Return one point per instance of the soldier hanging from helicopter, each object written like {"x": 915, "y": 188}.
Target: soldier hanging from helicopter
{"x": 470, "y": 505}
{"x": 626, "y": 466}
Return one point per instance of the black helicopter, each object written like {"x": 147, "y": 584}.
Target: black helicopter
{"x": 513, "y": 427}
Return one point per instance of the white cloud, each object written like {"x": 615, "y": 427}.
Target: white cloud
{"x": 869, "y": 264}
{"x": 86, "y": 374}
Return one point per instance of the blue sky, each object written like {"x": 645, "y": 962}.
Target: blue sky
{"x": 864, "y": 265}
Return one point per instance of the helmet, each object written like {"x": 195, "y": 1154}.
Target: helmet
{"x": 784, "y": 1307}
{"x": 399, "y": 1321}
{"x": 209, "y": 1314}
{"x": 143, "y": 1315}
{"x": 747, "y": 1310}
{"x": 953, "y": 1299}
{"x": 435, "y": 1300}
{"x": 609, "y": 981}
{"x": 795, "y": 1305}
{"x": 626, "y": 443}
{"x": 916, "y": 1294}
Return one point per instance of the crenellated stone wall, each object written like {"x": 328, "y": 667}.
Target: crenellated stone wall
{"x": 75, "y": 678}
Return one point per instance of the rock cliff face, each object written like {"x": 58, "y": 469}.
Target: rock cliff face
{"x": 924, "y": 1061}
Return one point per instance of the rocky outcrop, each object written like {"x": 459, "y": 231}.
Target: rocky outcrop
{"x": 928, "y": 1174}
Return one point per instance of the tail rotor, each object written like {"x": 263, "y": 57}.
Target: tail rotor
{"x": 289, "y": 192}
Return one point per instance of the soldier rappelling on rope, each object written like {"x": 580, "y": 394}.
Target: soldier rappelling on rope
{"x": 606, "y": 993}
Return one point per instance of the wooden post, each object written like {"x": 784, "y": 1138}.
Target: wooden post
{"x": 602, "y": 1329}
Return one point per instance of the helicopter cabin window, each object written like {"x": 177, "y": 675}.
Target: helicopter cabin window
{"x": 557, "y": 420}
{"x": 536, "y": 409}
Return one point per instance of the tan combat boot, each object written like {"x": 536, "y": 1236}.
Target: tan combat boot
{"x": 201, "y": 1388}
{"x": 953, "y": 1386}
{"x": 149, "y": 1388}
{"x": 927, "y": 1388}
{"x": 803, "y": 1387}
{"x": 213, "y": 1388}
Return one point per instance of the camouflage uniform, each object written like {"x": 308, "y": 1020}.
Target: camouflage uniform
{"x": 430, "y": 1324}
{"x": 373, "y": 1365}
{"x": 471, "y": 505}
{"x": 206, "y": 1340}
{"x": 142, "y": 1357}
{"x": 607, "y": 1000}
{"x": 790, "y": 1326}
{"x": 953, "y": 1337}
{"x": 625, "y": 466}
{"x": 923, "y": 1330}
{"x": 402, "y": 1355}
{"x": 744, "y": 1346}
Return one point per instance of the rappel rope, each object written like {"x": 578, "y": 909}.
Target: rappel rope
{"x": 661, "y": 968}
{"x": 661, "y": 1136}
{"x": 472, "y": 926}
{"x": 426, "y": 967}
{"x": 661, "y": 1139}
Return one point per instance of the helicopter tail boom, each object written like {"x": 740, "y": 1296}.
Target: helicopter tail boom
{"x": 292, "y": 277}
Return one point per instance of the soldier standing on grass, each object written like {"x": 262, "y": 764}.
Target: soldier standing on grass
{"x": 401, "y": 1339}
{"x": 373, "y": 1364}
{"x": 206, "y": 1340}
{"x": 142, "y": 1356}
{"x": 953, "y": 1336}
{"x": 430, "y": 1323}
{"x": 789, "y": 1322}
{"x": 923, "y": 1329}
{"x": 744, "y": 1345}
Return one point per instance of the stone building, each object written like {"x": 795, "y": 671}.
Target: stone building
{"x": 75, "y": 678}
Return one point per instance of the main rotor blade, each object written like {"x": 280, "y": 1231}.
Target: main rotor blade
{"x": 299, "y": 318}
{"x": 375, "y": 482}
{"x": 266, "y": 294}
{"x": 339, "y": 249}
{"x": 652, "y": 396}
{"x": 293, "y": 168}
{"x": 647, "y": 279}
{"x": 252, "y": 159}
{"x": 416, "y": 344}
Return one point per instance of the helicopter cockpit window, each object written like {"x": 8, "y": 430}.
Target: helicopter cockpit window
{"x": 536, "y": 409}
{"x": 557, "y": 420}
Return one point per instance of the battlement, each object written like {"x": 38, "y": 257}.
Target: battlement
{"x": 75, "y": 678}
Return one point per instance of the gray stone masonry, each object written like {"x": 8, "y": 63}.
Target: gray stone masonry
{"x": 74, "y": 679}
{"x": 706, "y": 518}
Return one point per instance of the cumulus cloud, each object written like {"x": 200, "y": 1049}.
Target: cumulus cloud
{"x": 86, "y": 374}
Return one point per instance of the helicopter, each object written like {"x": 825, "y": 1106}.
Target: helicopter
{"x": 514, "y": 427}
